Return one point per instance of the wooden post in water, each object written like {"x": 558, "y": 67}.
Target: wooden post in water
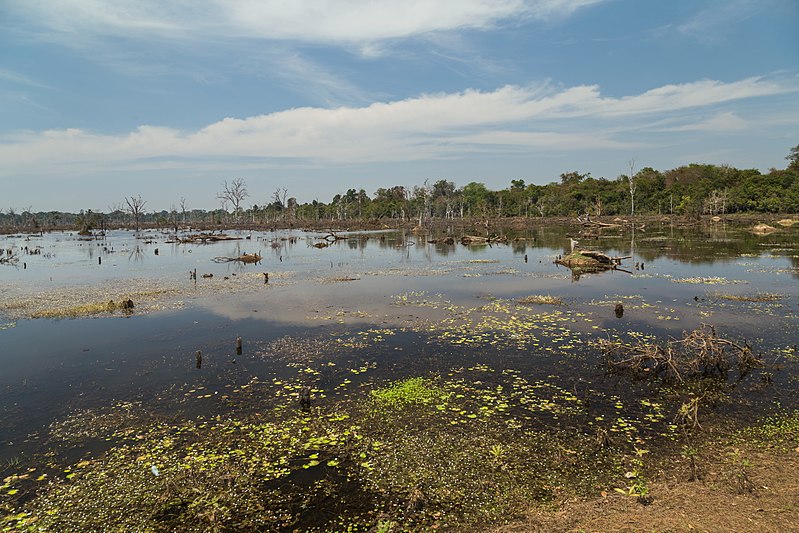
{"x": 305, "y": 398}
{"x": 99, "y": 260}
{"x": 238, "y": 345}
{"x": 199, "y": 356}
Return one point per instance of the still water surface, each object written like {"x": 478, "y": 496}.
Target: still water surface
{"x": 51, "y": 368}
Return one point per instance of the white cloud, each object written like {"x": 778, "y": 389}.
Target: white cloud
{"x": 675, "y": 97}
{"x": 427, "y": 127}
{"x": 344, "y": 21}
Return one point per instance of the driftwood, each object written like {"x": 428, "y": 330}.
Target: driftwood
{"x": 207, "y": 237}
{"x": 10, "y": 259}
{"x": 476, "y": 239}
{"x": 244, "y": 258}
{"x": 591, "y": 259}
{"x": 589, "y": 224}
{"x": 332, "y": 237}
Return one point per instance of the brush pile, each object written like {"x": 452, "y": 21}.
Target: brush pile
{"x": 700, "y": 353}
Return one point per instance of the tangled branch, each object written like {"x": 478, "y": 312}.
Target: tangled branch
{"x": 700, "y": 353}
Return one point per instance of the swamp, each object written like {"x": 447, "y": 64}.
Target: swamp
{"x": 398, "y": 380}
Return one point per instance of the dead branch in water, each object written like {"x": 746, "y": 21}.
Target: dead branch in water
{"x": 244, "y": 258}
{"x": 700, "y": 353}
{"x": 10, "y": 259}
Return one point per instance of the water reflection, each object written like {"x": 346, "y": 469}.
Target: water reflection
{"x": 354, "y": 284}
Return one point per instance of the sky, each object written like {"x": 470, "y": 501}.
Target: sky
{"x": 103, "y": 99}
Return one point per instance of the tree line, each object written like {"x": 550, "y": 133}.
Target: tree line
{"x": 692, "y": 190}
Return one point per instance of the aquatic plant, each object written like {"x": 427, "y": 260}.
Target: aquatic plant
{"x": 410, "y": 391}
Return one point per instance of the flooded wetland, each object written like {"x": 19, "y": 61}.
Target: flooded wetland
{"x": 387, "y": 380}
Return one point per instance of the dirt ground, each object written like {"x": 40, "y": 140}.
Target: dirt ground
{"x": 755, "y": 490}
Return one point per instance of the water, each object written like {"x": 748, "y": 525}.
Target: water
{"x": 51, "y": 368}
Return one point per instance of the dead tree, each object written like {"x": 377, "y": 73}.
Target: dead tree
{"x": 183, "y": 206}
{"x": 235, "y": 193}
{"x": 631, "y": 180}
{"x": 136, "y": 208}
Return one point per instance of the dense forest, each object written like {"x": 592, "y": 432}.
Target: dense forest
{"x": 691, "y": 190}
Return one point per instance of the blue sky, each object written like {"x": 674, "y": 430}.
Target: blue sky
{"x": 104, "y": 99}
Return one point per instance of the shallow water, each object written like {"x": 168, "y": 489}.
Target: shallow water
{"x": 398, "y": 292}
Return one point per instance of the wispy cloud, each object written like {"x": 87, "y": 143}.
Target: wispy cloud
{"x": 303, "y": 75}
{"x": 727, "y": 122}
{"x": 20, "y": 79}
{"x": 427, "y": 127}
{"x": 716, "y": 22}
{"x": 328, "y": 21}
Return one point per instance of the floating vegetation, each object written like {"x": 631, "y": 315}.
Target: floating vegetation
{"x": 540, "y": 299}
{"x": 758, "y": 297}
{"x": 409, "y": 392}
{"x": 422, "y": 452}
{"x": 712, "y": 280}
{"x": 456, "y": 450}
